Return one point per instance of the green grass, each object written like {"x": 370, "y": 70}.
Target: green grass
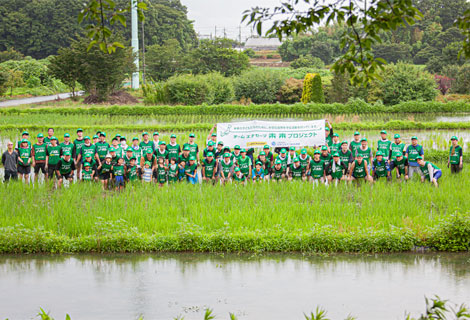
{"x": 267, "y": 217}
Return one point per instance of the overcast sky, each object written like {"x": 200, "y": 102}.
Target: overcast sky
{"x": 207, "y": 14}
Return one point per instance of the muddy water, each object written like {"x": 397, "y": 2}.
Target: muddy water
{"x": 268, "y": 287}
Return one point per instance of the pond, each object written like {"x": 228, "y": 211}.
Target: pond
{"x": 276, "y": 286}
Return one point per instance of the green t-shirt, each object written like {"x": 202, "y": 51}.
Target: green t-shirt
{"x": 380, "y": 168}
{"x": 425, "y": 169}
{"x": 118, "y": 170}
{"x": 173, "y": 151}
{"x": 345, "y": 157}
{"x": 66, "y": 148}
{"x": 105, "y": 167}
{"x": 102, "y": 149}
{"x": 184, "y": 158}
{"x": 54, "y": 154}
{"x": 193, "y": 149}
{"x": 283, "y": 162}
{"x": 239, "y": 178}
{"x": 137, "y": 153}
{"x": 40, "y": 152}
{"x": 88, "y": 151}
{"x": 414, "y": 152}
{"x": 146, "y": 145}
{"x": 335, "y": 147}
{"x": 384, "y": 146}
{"x": 326, "y": 159}
{"x": 353, "y": 146}
{"x": 65, "y": 167}
{"x": 296, "y": 172}
{"x": 78, "y": 145}
{"x": 25, "y": 155}
{"x": 317, "y": 169}
{"x": 455, "y": 158}
{"x": 161, "y": 174}
{"x": 226, "y": 167}
{"x": 119, "y": 152}
{"x": 209, "y": 167}
{"x": 160, "y": 154}
{"x": 338, "y": 170}
{"x": 244, "y": 165}
{"x": 304, "y": 162}
{"x": 87, "y": 175}
{"x": 397, "y": 148}
{"x": 401, "y": 165}
{"x": 277, "y": 174}
{"x": 359, "y": 169}
{"x": 365, "y": 154}
{"x": 190, "y": 169}
{"x": 173, "y": 173}
{"x": 132, "y": 173}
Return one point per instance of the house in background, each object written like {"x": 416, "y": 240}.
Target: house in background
{"x": 262, "y": 44}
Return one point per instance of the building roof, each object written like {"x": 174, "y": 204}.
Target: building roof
{"x": 262, "y": 42}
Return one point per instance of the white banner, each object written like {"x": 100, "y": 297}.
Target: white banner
{"x": 273, "y": 133}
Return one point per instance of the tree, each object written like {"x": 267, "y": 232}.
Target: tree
{"x": 307, "y": 61}
{"x": 312, "y": 89}
{"x": 393, "y": 52}
{"x": 3, "y": 82}
{"x": 163, "y": 61}
{"x": 15, "y": 79}
{"x": 64, "y": 67}
{"x": 10, "y": 54}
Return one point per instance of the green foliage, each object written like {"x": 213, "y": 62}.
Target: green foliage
{"x": 155, "y": 93}
{"x": 3, "y": 82}
{"x": 307, "y": 61}
{"x": 66, "y": 67}
{"x": 29, "y": 68}
{"x": 221, "y": 89}
{"x": 163, "y": 61}
{"x": 10, "y": 54}
{"x": 250, "y": 53}
{"x": 452, "y": 234}
{"x": 15, "y": 79}
{"x": 312, "y": 89}
{"x": 404, "y": 82}
{"x": 259, "y": 85}
{"x": 186, "y": 89}
{"x": 393, "y": 52}
{"x": 290, "y": 91}
{"x": 460, "y": 76}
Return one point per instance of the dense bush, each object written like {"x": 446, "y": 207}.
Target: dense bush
{"x": 461, "y": 74}
{"x": 312, "y": 90}
{"x": 29, "y": 68}
{"x": 186, "y": 89}
{"x": 10, "y": 54}
{"x": 259, "y": 85}
{"x": 220, "y": 88}
{"x": 300, "y": 73}
{"x": 291, "y": 91}
{"x": 307, "y": 61}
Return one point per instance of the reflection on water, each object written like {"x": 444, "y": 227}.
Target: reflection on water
{"x": 278, "y": 286}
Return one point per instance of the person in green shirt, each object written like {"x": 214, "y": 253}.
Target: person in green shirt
{"x": 236, "y": 153}
{"x": 328, "y": 134}
{"x": 193, "y": 147}
{"x": 104, "y": 169}
{"x": 305, "y": 159}
{"x": 355, "y": 144}
{"x": 119, "y": 170}
{"x": 278, "y": 172}
{"x": 383, "y": 145}
{"x": 174, "y": 149}
{"x": 291, "y": 155}
{"x": 245, "y": 164}
{"x": 132, "y": 171}
{"x": 190, "y": 170}
{"x": 396, "y": 147}
{"x": 149, "y": 157}
{"x": 102, "y": 148}
{"x": 50, "y": 134}
{"x": 184, "y": 156}
{"x": 38, "y": 153}
{"x": 65, "y": 169}
{"x": 400, "y": 163}
{"x": 117, "y": 146}
{"x": 325, "y": 156}
{"x": 161, "y": 172}
{"x": 128, "y": 156}
{"x": 317, "y": 169}
{"x": 359, "y": 170}
{"x": 239, "y": 177}
{"x": 24, "y": 160}
{"x": 66, "y": 146}
{"x": 136, "y": 152}
{"x": 162, "y": 152}
{"x": 114, "y": 157}
{"x": 265, "y": 164}
{"x": 430, "y": 171}
{"x": 209, "y": 166}
{"x": 210, "y": 148}
{"x": 455, "y": 156}
{"x": 336, "y": 170}
{"x": 24, "y": 136}
{"x": 87, "y": 172}
{"x": 269, "y": 155}
{"x": 283, "y": 158}
{"x": 296, "y": 171}
{"x": 173, "y": 171}
{"x": 145, "y": 145}
{"x": 345, "y": 154}
{"x": 52, "y": 158}
{"x": 77, "y": 148}
{"x": 365, "y": 152}
{"x": 86, "y": 149}
{"x": 226, "y": 168}
{"x": 380, "y": 167}
{"x": 336, "y": 144}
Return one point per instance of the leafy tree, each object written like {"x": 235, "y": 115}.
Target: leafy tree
{"x": 307, "y": 61}
{"x": 64, "y": 67}
{"x": 312, "y": 89}
{"x": 322, "y": 50}
{"x": 14, "y": 80}
{"x": 3, "y": 82}
{"x": 163, "y": 61}
{"x": 259, "y": 85}
{"x": 10, "y": 54}
{"x": 249, "y": 52}
{"x": 393, "y": 52}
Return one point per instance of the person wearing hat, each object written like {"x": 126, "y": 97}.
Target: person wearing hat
{"x": 123, "y": 144}
{"x": 102, "y": 149}
{"x": 24, "y": 136}
{"x": 429, "y": 171}
{"x": 149, "y": 156}
{"x": 24, "y": 160}
{"x": 328, "y": 134}
{"x": 244, "y": 163}
{"x": 396, "y": 147}
{"x": 173, "y": 171}
{"x": 278, "y": 172}
{"x": 156, "y": 140}
{"x": 336, "y": 144}
{"x": 77, "y": 148}
{"x": 209, "y": 167}
{"x": 65, "y": 168}
{"x": 212, "y": 136}
{"x": 87, "y": 149}
{"x": 219, "y": 151}
{"x": 291, "y": 155}
{"x": 400, "y": 163}
{"x": 317, "y": 169}
{"x": 10, "y": 163}
{"x": 455, "y": 156}
{"x": 336, "y": 170}
{"x": 136, "y": 152}
{"x": 161, "y": 172}
{"x": 359, "y": 170}
{"x": 52, "y": 158}
{"x": 269, "y": 155}
{"x": 210, "y": 148}
{"x": 258, "y": 172}
{"x": 117, "y": 146}
{"x": 383, "y": 145}
{"x": 355, "y": 144}
{"x": 413, "y": 151}
{"x": 67, "y": 145}
{"x": 194, "y": 149}
{"x": 38, "y": 154}
{"x": 305, "y": 159}
{"x": 104, "y": 169}
{"x": 226, "y": 168}
{"x": 146, "y": 144}
{"x": 184, "y": 156}
{"x": 128, "y": 155}
{"x": 50, "y": 134}
{"x": 87, "y": 172}
{"x": 265, "y": 164}
{"x": 282, "y": 156}
{"x": 114, "y": 158}
{"x": 238, "y": 176}
{"x": 236, "y": 153}
{"x": 119, "y": 172}
{"x": 174, "y": 149}
{"x": 90, "y": 158}
{"x": 295, "y": 170}
{"x": 147, "y": 172}
{"x": 162, "y": 152}
{"x": 345, "y": 155}
{"x": 190, "y": 170}
{"x": 325, "y": 156}
{"x": 365, "y": 152}
{"x": 380, "y": 167}
{"x": 132, "y": 172}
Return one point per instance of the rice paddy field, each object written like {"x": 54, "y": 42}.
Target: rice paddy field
{"x": 383, "y": 217}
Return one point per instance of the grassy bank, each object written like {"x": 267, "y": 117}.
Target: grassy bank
{"x": 269, "y": 217}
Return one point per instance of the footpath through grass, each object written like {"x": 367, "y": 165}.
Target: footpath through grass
{"x": 383, "y": 217}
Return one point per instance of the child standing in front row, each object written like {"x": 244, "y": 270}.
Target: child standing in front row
{"x": 146, "y": 172}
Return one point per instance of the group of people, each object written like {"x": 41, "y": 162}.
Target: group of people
{"x": 152, "y": 160}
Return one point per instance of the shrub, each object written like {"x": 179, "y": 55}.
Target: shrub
{"x": 186, "y": 89}
{"x": 462, "y": 82}
{"x": 300, "y": 73}
{"x": 33, "y": 82}
{"x": 291, "y": 91}
{"x": 220, "y": 88}
{"x": 307, "y": 61}
{"x": 259, "y": 85}
{"x": 3, "y": 82}
{"x": 155, "y": 93}
{"x": 312, "y": 90}
{"x": 249, "y": 52}
{"x": 29, "y": 68}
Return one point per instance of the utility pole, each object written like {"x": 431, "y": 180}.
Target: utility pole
{"x": 215, "y": 33}
{"x": 240, "y": 35}
{"x": 143, "y": 54}
{"x": 135, "y": 43}
{"x": 225, "y": 34}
